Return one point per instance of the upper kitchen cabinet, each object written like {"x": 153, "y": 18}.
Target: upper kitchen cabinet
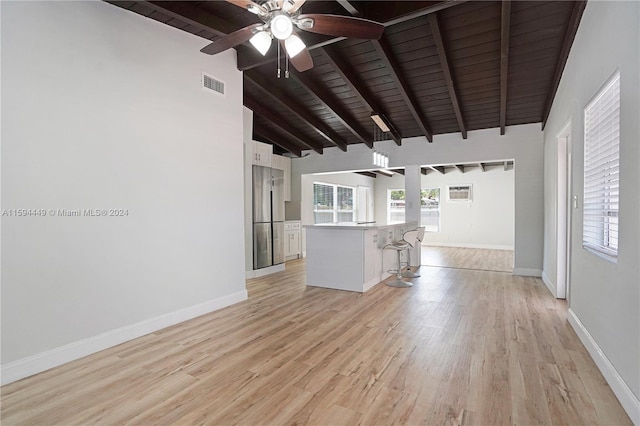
{"x": 283, "y": 163}
{"x": 262, "y": 153}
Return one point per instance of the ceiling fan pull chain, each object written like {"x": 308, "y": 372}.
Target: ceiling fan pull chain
{"x": 278, "y": 60}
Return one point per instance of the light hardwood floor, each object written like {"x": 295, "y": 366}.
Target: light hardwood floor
{"x": 459, "y": 347}
{"x": 468, "y": 258}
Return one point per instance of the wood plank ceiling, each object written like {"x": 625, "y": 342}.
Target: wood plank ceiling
{"x": 440, "y": 67}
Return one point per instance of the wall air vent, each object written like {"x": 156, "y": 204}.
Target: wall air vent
{"x": 210, "y": 83}
{"x": 459, "y": 193}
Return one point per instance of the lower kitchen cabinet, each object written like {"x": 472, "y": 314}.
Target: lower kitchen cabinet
{"x": 292, "y": 245}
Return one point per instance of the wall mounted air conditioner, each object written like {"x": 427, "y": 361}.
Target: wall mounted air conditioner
{"x": 459, "y": 193}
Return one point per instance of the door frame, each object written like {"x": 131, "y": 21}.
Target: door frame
{"x": 563, "y": 213}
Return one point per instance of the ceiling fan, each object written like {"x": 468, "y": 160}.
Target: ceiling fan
{"x": 281, "y": 19}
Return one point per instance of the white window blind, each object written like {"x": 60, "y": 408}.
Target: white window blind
{"x": 602, "y": 170}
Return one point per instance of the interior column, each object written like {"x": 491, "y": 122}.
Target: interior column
{"x": 412, "y": 186}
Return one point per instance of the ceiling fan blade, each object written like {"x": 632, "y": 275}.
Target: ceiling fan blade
{"x": 341, "y": 26}
{"x": 302, "y": 61}
{"x": 230, "y": 40}
{"x": 295, "y": 6}
{"x": 248, "y": 5}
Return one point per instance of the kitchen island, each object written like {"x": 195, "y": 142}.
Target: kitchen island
{"x": 349, "y": 256}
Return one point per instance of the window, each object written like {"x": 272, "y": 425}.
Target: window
{"x": 602, "y": 170}
{"x": 395, "y": 206}
{"x": 332, "y": 203}
{"x": 429, "y": 208}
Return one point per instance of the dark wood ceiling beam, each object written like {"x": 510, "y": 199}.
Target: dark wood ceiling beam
{"x": 482, "y": 167}
{"x": 459, "y": 167}
{"x": 349, "y": 7}
{"x": 439, "y": 169}
{"x": 383, "y": 173}
{"x": 192, "y": 15}
{"x": 385, "y": 54}
{"x": 446, "y": 70}
{"x": 368, "y": 174}
{"x": 275, "y": 139}
{"x": 504, "y": 62}
{"x": 332, "y": 106}
{"x": 363, "y": 95}
{"x": 423, "y": 11}
{"x": 424, "y": 170}
{"x": 279, "y": 122}
{"x": 570, "y": 35}
{"x": 297, "y": 109}
{"x": 399, "y": 171}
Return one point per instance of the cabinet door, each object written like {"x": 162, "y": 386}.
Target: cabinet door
{"x": 295, "y": 243}
{"x": 262, "y": 153}
{"x": 288, "y": 235}
{"x": 292, "y": 245}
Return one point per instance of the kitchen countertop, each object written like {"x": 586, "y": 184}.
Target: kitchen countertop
{"x": 355, "y": 225}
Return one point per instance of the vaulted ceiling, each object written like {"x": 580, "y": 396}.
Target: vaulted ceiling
{"x": 440, "y": 67}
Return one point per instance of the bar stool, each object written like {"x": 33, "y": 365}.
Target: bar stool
{"x": 419, "y": 237}
{"x": 407, "y": 242}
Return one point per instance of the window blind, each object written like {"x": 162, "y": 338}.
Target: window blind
{"x": 602, "y": 170}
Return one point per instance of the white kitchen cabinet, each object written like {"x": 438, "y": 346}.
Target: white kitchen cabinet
{"x": 262, "y": 153}
{"x": 292, "y": 246}
{"x": 283, "y": 163}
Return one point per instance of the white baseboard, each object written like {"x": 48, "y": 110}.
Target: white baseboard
{"x": 550, "y": 285}
{"x": 628, "y": 400}
{"x": 38, "y": 363}
{"x": 264, "y": 271}
{"x": 527, "y": 272}
{"x": 476, "y": 246}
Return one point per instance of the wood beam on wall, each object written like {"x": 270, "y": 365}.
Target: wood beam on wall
{"x": 385, "y": 54}
{"x": 275, "y": 139}
{"x": 439, "y": 169}
{"x": 295, "y": 108}
{"x": 570, "y": 35}
{"x": 504, "y": 61}
{"x": 279, "y": 121}
{"x": 446, "y": 70}
{"x": 332, "y": 106}
{"x": 349, "y": 76}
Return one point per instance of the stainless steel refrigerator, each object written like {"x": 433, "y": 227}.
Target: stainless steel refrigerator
{"x": 268, "y": 217}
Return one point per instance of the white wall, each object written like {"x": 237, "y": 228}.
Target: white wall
{"x": 486, "y": 222}
{"x": 102, "y": 108}
{"x": 248, "y": 191}
{"x": 524, "y": 144}
{"x": 604, "y": 297}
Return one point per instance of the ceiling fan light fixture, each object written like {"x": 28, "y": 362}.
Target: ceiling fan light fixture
{"x": 305, "y": 23}
{"x": 261, "y": 41}
{"x": 281, "y": 27}
{"x": 294, "y": 45}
